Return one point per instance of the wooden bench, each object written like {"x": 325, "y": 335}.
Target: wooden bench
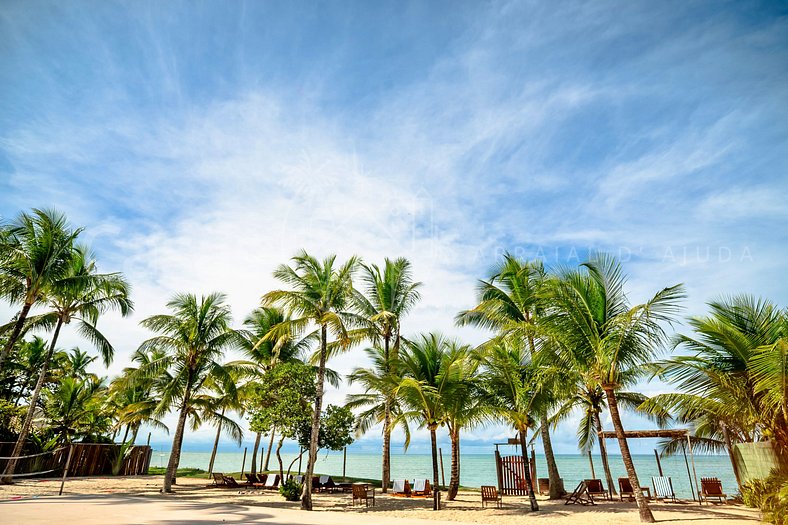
{"x": 490, "y": 493}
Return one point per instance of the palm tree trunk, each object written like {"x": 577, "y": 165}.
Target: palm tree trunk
{"x": 528, "y": 481}
{"x": 270, "y": 446}
{"x": 454, "y": 482}
{"x": 216, "y": 446}
{"x": 435, "y": 487}
{"x": 556, "y": 487}
{"x": 20, "y": 323}
{"x": 177, "y": 442}
{"x": 603, "y": 453}
{"x": 645, "y": 512}
{"x": 729, "y": 447}
{"x": 254, "y": 452}
{"x": 306, "y": 494}
{"x": 386, "y": 461}
{"x": 279, "y": 458}
{"x": 134, "y": 434}
{"x": 126, "y": 434}
{"x": 20, "y": 442}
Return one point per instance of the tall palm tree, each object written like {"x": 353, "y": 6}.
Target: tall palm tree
{"x": 510, "y": 303}
{"x": 507, "y": 379}
{"x": 81, "y": 295}
{"x": 604, "y": 338}
{"x": 194, "y": 337}
{"x": 320, "y": 295}
{"x": 465, "y": 407}
{"x": 430, "y": 375}
{"x": 389, "y": 294}
{"x": 71, "y": 408}
{"x": 35, "y": 252}
{"x": 220, "y": 401}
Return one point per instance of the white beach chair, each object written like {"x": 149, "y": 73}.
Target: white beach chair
{"x": 663, "y": 488}
{"x": 418, "y": 485}
{"x": 398, "y": 486}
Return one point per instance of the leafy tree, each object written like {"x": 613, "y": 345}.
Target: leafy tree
{"x": 35, "y": 253}
{"x": 511, "y": 302}
{"x": 336, "y": 429}
{"x": 605, "y": 338}
{"x": 320, "y": 294}
{"x": 389, "y": 294}
{"x": 194, "y": 338}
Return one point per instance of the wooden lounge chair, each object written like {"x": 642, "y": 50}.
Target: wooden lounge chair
{"x": 316, "y": 484}
{"x": 327, "y": 484}
{"x": 663, "y": 488}
{"x": 625, "y": 489}
{"x": 580, "y": 495}
{"x": 401, "y": 487}
{"x": 218, "y": 480}
{"x": 273, "y": 485}
{"x": 712, "y": 488}
{"x": 490, "y": 493}
{"x": 421, "y": 488}
{"x": 262, "y": 479}
{"x": 596, "y": 489}
{"x": 230, "y": 482}
{"x": 251, "y": 480}
{"x": 361, "y": 492}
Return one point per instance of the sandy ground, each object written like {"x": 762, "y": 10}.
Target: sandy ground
{"x": 136, "y": 500}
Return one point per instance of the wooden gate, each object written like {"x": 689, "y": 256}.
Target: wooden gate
{"x": 511, "y": 475}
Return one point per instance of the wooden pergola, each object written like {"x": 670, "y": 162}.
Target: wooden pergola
{"x": 676, "y": 433}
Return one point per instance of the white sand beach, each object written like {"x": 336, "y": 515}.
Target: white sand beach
{"x": 136, "y": 500}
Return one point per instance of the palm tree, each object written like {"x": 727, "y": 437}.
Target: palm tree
{"x": 73, "y": 406}
{"x": 389, "y": 294}
{"x": 506, "y": 382}
{"x": 430, "y": 375}
{"x": 510, "y": 303}
{"x": 219, "y": 402}
{"x": 604, "y": 338}
{"x": 35, "y": 253}
{"x": 465, "y": 407}
{"x": 194, "y": 337}
{"x": 732, "y": 382}
{"x": 268, "y": 338}
{"x": 81, "y": 295}
{"x": 320, "y": 294}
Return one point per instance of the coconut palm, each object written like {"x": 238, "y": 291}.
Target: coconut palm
{"x": 219, "y": 401}
{"x": 465, "y": 407}
{"x": 430, "y": 375}
{"x": 510, "y": 303}
{"x": 320, "y": 294}
{"x": 389, "y": 294}
{"x": 507, "y": 388}
{"x": 732, "y": 382}
{"x": 193, "y": 337}
{"x": 604, "y": 338}
{"x": 35, "y": 253}
{"x": 76, "y": 407}
{"x": 82, "y": 295}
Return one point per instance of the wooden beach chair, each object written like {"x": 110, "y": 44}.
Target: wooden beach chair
{"x": 625, "y": 489}
{"x": 401, "y": 487}
{"x": 262, "y": 479}
{"x": 596, "y": 489}
{"x": 543, "y": 485}
{"x": 327, "y": 484}
{"x": 231, "y": 483}
{"x": 490, "y": 493}
{"x": 580, "y": 496}
{"x": 421, "y": 488}
{"x": 362, "y": 492}
{"x": 316, "y": 484}
{"x": 712, "y": 488}
{"x": 274, "y": 485}
{"x": 251, "y": 480}
{"x": 218, "y": 480}
{"x": 663, "y": 488}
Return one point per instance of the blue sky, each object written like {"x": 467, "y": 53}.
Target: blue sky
{"x": 203, "y": 143}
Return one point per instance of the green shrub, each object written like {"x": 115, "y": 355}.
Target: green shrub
{"x": 291, "y": 490}
{"x": 770, "y": 495}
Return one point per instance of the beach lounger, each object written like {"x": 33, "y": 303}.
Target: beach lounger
{"x": 362, "y": 492}
{"x": 596, "y": 489}
{"x": 327, "y": 484}
{"x": 663, "y": 488}
{"x": 580, "y": 495}
{"x": 274, "y": 485}
{"x": 262, "y": 479}
{"x": 490, "y": 493}
{"x": 401, "y": 487}
{"x": 712, "y": 488}
{"x": 625, "y": 489}
{"x": 218, "y": 480}
{"x": 230, "y": 482}
{"x": 316, "y": 484}
{"x": 251, "y": 480}
{"x": 421, "y": 488}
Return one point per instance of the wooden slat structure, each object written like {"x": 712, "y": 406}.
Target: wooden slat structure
{"x": 88, "y": 459}
{"x": 511, "y": 475}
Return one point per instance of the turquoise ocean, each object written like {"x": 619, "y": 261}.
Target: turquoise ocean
{"x": 477, "y": 469}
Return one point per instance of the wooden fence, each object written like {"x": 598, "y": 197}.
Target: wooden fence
{"x": 511, "y": 475}
{"x": 88, "y": 459}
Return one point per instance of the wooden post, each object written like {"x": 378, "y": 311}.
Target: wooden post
{"x": 262, "y": 453}
{"x": 344, "y": 464}
{"x": 689, "y": 474}
{"x": 65, "y": 470}
{"x": 498, "y": 469}
{"x": 243, "y": 465}
{"x": 659, "y": 465}
{"x": 300, "y": 456}
{"x": 694, "y": 472}
{"x": 591, "y": 461}
{"x": 148, "y": 443}
{"x": 443, "y": 476}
